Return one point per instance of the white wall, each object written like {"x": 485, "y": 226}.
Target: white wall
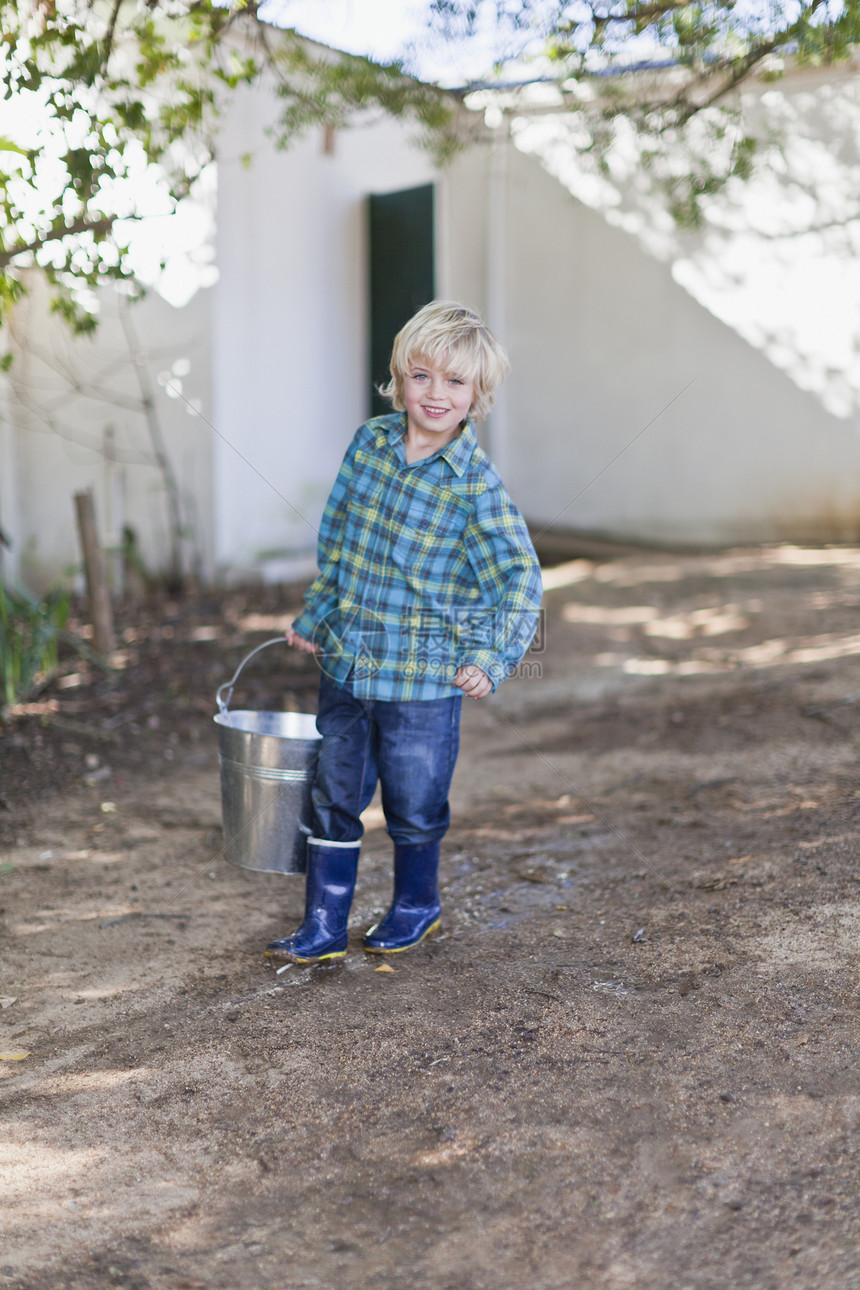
{"x": 602, "y": 343}
{"x": 291, "y": 325}
{"x": 61, "y": 399}
{"x": 776, "y": 255}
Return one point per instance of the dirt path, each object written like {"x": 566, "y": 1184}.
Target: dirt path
{"x": 629, "y": 1061}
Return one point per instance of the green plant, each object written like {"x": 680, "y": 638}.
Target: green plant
{"x": 30, "y": 630}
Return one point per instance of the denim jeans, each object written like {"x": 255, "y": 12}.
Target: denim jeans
{"x": 409, "y": 747}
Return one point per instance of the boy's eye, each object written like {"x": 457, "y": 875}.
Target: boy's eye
{"x": 455, "y": 380}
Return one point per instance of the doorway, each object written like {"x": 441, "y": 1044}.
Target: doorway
{"x": 402, "y": 273}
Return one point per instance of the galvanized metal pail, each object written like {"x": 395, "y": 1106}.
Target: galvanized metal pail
{"x": 267, "y": 765}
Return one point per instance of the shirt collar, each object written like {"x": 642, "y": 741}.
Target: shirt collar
{"x": 457, "y": 453}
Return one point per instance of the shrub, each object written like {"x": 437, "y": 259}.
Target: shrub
{"x": 30, "y": 630}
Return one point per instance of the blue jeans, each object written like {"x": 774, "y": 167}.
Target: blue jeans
{"x": 409, "y": 747}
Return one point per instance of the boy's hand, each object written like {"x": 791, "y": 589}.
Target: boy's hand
{"x": 473, "y": 682}
{"x": 299, "y": 642}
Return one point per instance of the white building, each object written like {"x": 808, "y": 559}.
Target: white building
{"x": 665, "y": 388}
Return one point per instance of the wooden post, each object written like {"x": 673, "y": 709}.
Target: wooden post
{"x": 96, "y": 574}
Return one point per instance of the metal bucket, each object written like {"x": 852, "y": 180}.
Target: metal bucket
{"x": 267, "y": 766}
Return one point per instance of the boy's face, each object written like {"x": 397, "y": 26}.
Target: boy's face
{"x": 437, "y": 399}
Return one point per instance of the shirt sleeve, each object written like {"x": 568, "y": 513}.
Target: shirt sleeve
{"x": 504, "y": 563}
{"x": 321, "y": 597}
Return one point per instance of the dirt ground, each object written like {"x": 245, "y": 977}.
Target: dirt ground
{"x": 630, "y": 1060}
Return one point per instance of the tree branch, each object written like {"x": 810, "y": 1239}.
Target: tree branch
{"x": 110, "y": 34}
{"x": 637, "y": 11}
{"x": 82, "y": 225}
{"x": 741, "y": 69}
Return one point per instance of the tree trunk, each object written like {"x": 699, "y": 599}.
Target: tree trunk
{"x": 96, "y": 574}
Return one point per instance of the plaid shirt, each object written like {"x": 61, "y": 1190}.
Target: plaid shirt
{"x": 423, "y": 568}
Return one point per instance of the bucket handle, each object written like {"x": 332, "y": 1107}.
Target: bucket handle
{"x": 224, "y": 704}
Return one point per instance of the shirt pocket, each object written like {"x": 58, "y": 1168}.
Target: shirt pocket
{"x": 365, "y": 508}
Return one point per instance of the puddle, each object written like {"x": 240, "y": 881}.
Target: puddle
{"x": 289, "y": 983}
{"x": 617, "y": 988}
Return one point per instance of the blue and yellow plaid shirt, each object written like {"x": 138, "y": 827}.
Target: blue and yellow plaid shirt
{"x": 424, "y": 568}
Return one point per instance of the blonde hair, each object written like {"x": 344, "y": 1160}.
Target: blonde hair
{"x": 445, "y": 332}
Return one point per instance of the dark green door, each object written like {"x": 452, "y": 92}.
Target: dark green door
{"x": 401, "y": 273}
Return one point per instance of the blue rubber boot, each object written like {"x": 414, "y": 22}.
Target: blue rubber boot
{"x": 331, "y": 874}
{"x": 415, "y": 909}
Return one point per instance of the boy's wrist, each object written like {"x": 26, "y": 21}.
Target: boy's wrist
{"x": 488, "y": 662}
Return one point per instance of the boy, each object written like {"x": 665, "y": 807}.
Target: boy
{"x": 429, "y": 589}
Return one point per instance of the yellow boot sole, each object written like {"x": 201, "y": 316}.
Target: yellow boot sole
{"x": 295, "y": 958}
{"x": 401, "y": 949}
